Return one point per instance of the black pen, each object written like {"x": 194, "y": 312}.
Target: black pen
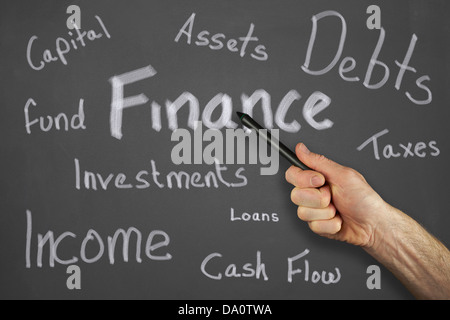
{"x": 280, "y": 147}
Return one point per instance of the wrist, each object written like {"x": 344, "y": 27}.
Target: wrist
{"x": 383, "y": 229}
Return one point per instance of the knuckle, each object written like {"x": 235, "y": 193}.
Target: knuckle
{"x": 299, "y": 179}
{"x": 335, "y": 227}
{"x": 324, "y": 228}
{"x": 286, "y": 175}
{"x": 325, "y": 198}
{"x": 320, "y": 157}
{"x": 315, "y": 226}
{"x": 293, "y": 195}
{"x": 301, "y": 213}
{"x": 289, "y": 174}
{"x": 351, "y": 174}
{"x": 331, "y": 211}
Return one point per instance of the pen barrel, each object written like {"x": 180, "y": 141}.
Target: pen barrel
{"x": 274, "y": 143}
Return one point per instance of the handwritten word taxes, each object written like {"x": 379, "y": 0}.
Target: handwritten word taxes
{"x": 405, "y": 150}
{"x": 63, "y": 47}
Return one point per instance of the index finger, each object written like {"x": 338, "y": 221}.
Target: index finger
{"x": 304, "y": 178}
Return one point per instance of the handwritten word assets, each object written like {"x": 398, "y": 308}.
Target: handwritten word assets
{"x": 63, "y": 47}
{"x": 219, "y": 41}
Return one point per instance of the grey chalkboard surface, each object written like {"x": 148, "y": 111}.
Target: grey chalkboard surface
{"x": 87, "y": 119}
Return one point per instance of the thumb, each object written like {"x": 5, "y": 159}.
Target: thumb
{"x": 317, "y": 162}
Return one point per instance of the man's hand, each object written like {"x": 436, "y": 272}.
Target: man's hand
{"x": 336, "y": 201}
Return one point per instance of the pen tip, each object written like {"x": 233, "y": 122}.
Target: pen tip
{"x": 240, "y": 114}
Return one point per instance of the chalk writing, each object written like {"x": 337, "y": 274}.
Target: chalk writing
{"x": 419, "y": 149}
{"x": 344, "y": 67}
{"x": 144, "y": 179}
{"x": 63, "y": 47}
{"x": 219, "y": 41}
{"x": 308, "y": 275}
{"x": 248, "y": 270}
{"x": 313, "y": 106}
{"x": 156, "y": 240}
{"x": 283, "y": 108}
{"x": 253, "y": 216}
{"x": 58, "y": 122}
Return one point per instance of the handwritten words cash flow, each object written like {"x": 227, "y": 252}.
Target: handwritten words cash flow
{"x": 93, "y": 247}
{"x": 257, "y": 270}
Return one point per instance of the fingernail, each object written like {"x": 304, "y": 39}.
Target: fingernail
{"x": 316, "y": 181}
{"x": 304, "y": 149}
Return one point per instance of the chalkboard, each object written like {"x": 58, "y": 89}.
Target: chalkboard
{"x": 95, "y": 207}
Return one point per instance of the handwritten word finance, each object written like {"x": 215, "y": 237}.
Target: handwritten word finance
{"x": 315, "y": 104}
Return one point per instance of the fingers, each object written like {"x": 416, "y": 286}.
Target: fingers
{"x": 323, "y": 221}
{"x": 313, "y": 214}
{"x": 336, "y": 201}
{"x": 315, "y": 207}
{"x": 314, "y": 198}
{"x": 304, "y": 178}
{"x": 326, "y": 227}
{"x": 330, "y": 169}
{"x": 311, "y": 197}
